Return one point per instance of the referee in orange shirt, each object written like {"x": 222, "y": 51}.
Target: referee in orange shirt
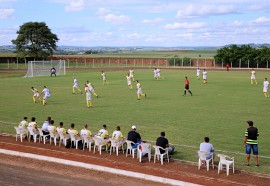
{"x": 187, "y": 87}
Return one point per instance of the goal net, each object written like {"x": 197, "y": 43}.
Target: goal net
{"x": 43, "y": 68}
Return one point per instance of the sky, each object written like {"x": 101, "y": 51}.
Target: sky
{"x": 164, "y": 23}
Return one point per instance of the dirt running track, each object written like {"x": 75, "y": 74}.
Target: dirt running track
{"x": 174, "y": 170}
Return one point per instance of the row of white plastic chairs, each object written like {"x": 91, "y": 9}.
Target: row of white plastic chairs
{"x": 142, "y": 149}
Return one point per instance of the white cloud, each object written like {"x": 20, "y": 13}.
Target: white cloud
{"x": 116, "y": 19}
{"x": 109, "y": 33}
{"x": 192, "y": 11}
{"x": 75, "y": 6}
{"x": 262, "y": 20}
{"x": 151, "y": 21}
{"x": 6, "y": 13}
{"x": 185, "y": 25}
{"x": 103, "y": 11}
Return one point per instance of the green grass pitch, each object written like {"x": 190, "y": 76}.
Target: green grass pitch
{"x": 218, "y": 109}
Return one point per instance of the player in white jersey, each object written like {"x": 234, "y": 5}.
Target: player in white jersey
{"x": 253, "y": 77}
{"x": 118, "y": 136}
{"x": 47, "y": 94}
{"x": 75, "y": 86}
{"x": 129, "y": 81}
{"x": 36, "y": 94}
{"x": 85, "y": 131}
{"x": 155, "y": 73}
{"x": 198, "y": 72}
{"x": 88, "y": 96}
{"x": 158, "y": 73}
{"x": 139, "y": 90}
{"x": 265, "y": 88}
{"x": 131, "y": 74}
{"x": 61, "y": 129}
{"x": 104, "y": 78}
{"x": 204, "y": 73}
{"x": 23, "y": 125}
{"x": 91, "y": 88}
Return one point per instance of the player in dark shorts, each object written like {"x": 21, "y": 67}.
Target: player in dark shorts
{"x": 187, "y": 87}
{"x": 53, "y": 71}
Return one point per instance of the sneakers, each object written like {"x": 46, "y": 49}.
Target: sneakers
{"x": 247, "y": 165}
{"x": 145, "y": 95}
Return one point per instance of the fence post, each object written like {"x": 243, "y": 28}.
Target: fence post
{"x": 222, "y": 63}
{"x": 17, "y": 63}
{"x": 174, "y": 62}
{"x": 204, "y": 63}
{"x": 126, "y": 62}
{"x": 85, "y": 62}
{"x": 8, "y": 63}
{"x": 267, "y": 64}
{"x": 257, "y": 65}
{"x": 109, "y": 62}
{"x": 231, "y": 65}
{"x": 142, "y": 62}
{"x": 239, "y": 63}
{"x": 248, "y": 63}
{"x": 182, "y": 62}
{"x": 214, "y": 63}
{"x": 190, "y": 62}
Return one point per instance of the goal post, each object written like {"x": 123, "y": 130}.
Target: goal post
{"x": 43, "y": 68}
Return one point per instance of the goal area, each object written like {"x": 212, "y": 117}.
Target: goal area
{"x": 43, "y": 68}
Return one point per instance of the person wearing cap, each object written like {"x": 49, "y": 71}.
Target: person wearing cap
{"x": 134, "y": 136}
{"x": 251, "y": 143}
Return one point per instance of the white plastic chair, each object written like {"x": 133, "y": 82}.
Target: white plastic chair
{"x": 227, "y": 161}
{"x": 115, "y": 146}
{"x": 99, "y": 143}
{"x": 204, "y": 157}
{"x": 21, "y": 132}
{"x": 130, "y": 149}
{"x": 74, "y": 138}
{"x": 63, "y": 138}
{"x": 87, "y": 140}
{"x": 54, "y": 135}
{"x": 144, "y": 148}
{"x": 160, "y": 156}
{"x": 42, "y": 136}
{"x": 32, "y": 133}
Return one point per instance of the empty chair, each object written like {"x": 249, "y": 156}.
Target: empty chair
{"x": 144, "y": 148}
{"x": 99, "y": 143}
{"x": 63, "y": 138}
{"x": 227, "y": 161}
{"x": 32, "y": 133}
{"x": 42, "y": 136}
{"x": 205, "y": 157}
{"x": 130, "y": 149}
{"x": 115, "y": 146}
{"x": 75, "y": 139}
{"x": 20, "y": 132}
{"x": 160, "y": 156}
{"x": 87, "y": 140}
{"x": 54, "y": 135}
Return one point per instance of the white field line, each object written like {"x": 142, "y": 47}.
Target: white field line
{"x": 99, "y": 168}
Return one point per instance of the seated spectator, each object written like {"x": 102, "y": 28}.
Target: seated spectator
{"x": 23, "y": 125}
{"x": 134, "y": 137}
{"x": 207, "y": 147}
{"x": 72, "y": 130}
{"x": 85, "y": 131}
{"x": 164, "y": 143}
{"x": 45, "y": 126}
{"x": 61, "y": 129}
{"x": 33, "y": 124}
{"x": 51, "y": 127}
{"x": 118, "y": 136}
{"x": 103, "y": 133}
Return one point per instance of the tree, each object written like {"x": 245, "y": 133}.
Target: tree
{"x": 35, "y": 40}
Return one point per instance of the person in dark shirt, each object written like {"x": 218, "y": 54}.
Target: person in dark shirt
{"x": 187, "y": 87}
{"x": 53, "y": 71}
{"x": 164, "y": 143}
{"x": 134, "y": 136}
{"x": 251, "y": 143}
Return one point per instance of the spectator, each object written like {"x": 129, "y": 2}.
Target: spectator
{"x": 164, "y": 143}
{"x": 103, "y": 133}
{"x": 207, "y": 147}
{"x": 72, "y": 130}
{"x": 250, "y": 143}
{"x": 134, "y": 137}
{"x": 23, "y": 125}
{"x": 33, "y": 124}
{"x": 61, "y": 129}
{"x": 85, "y": 131}
{"x": 45, "y": 126}
{"x": 51, "y": 126}
{"x": 118, "y": 136}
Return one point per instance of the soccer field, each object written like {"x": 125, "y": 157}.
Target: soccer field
{"x": 218, "y": 109}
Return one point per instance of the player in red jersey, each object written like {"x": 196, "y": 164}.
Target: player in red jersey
{"x": 187, "y": 87}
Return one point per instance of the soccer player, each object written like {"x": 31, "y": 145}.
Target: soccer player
{"x": 23, "y": 125}
{"x": 155, "y": 73}
{"x": 72, "y": 130}
{"x": 198, "y": 72}
{"x": 139, "y": 90}
{"x": 158, "y": 73}
{"x": 45, "y": 125}
{"x": 91, "y": 88}
{"x": 53, "y": 71}
{"x": 36, "y": 95}
{"x": 204, "y": 73}
{"x": 131, "y": 74}
{"x": 118, "y": 136}
{"x": 104, "y": 79}
{"x": 88, "y": 96}
{"x": 47, "y": 94}
{"x": 33, "y": 124}
{"x": 103, "y": 133}
{"x": 61, "y": 129}
{"x": 75, "y": 86}
{"x": 187, "y": 87}
{"x": 129, "y": 81}
{"x": 253, "y": 78}
{"x": 265, "y": 88}
{"x": 85, "y": 131}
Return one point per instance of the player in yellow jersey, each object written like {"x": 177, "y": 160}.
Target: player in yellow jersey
{"x": 85, "y": 131}
{"x": 88, "y": 96}
{"x": 75, "y": 86}
{"x": 91, "y": 88}
{"x": 131, "y": 74}
{"x": 36, "y": 95}
{"x": 253, "y": 77}
{"x": 129, "y": 81}
{"x": 139, "y": 90}
{"x": 118, "y": 136}
{"x": 204, "y": 73}
{"x": 104, "y": 78}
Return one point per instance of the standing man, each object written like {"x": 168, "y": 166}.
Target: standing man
{"x": 75, "y": 86}
{"x": 91, "y": 88}
{"x": 204, "y": 76}
{"x": 265, "y": 88}
{"x": 88, "y": 96}
{"x": 139, "y": 90}
{"x": 164, "y": 143}
{"x": 131, "y": 74}
{"x": 129, "y": 81}
{"x": 207, "y": 147}
{"x": 53, "y": 71}
{"x": 104, "y": 79}
{"x": 155, "y": 73}
{"x": 36, "y": 94}
{"x": 187, "y": 87}
{"x": 251, "y": 143}
{"x": 253, "y": 78}
{"x": 227, "y": 66}
{"x": 198, "y": 72}
{"x": 47, "y": 94}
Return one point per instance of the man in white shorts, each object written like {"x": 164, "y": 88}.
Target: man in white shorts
{"x": 91, "y": 88}
{"x": 129, "y": 81}
{"x": 139, "y": 90}
{"x": 253, "y": 77}
{"x": 155, "y": 73}
{"x": 204, "y": 73}
{"x": 265, "y": 88}
{"x": 104, "y": 79}
{"x": 158, "y": 73}
{"x": 88, "y": 96}
{"x": 47, "y": 94}
{"x": 131, "y": 74}
{"x": 75, "y": 86}
{"x": 198, "y": 72}
{"x": 36, "y": 94}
